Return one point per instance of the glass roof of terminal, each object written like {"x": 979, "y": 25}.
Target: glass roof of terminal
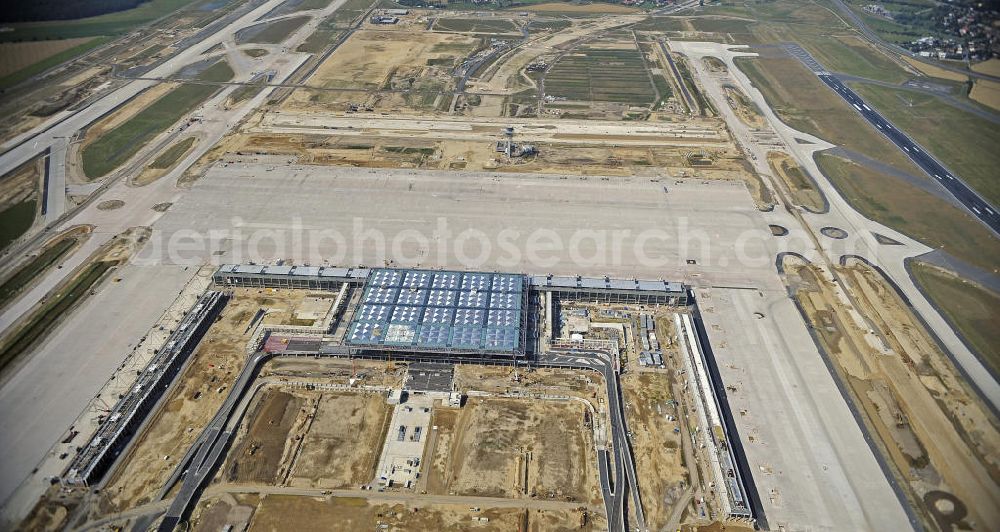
{"x": 448, "y": 310}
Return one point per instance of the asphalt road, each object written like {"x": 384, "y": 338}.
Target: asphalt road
{"x": 624, "y": 477}
{"x": 962, "y": 192}
{"x": 211, "y": 445}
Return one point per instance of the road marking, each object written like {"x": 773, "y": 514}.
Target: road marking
{"x": 856, "y": 106}
{"x": 977, "y": 210}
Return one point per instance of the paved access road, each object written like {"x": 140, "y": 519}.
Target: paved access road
{"x": 613, "y": 486}
{"x": 962, "y": 192}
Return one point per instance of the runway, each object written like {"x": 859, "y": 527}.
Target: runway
{"x": 972, "y": 201}
{"x": 962, "y": 192}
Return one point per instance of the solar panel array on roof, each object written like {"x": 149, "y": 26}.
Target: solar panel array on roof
{"x": 440, "y": 310}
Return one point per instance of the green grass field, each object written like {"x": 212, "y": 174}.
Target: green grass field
{"x": 971, "y": 309}
{"x": 220, "y": 72}
{"x": 602, "y": 76}
{"x": 965, "y": 143}
{"x": 116, "y": 146}
{"x": 722, "y": 25}
{"x": 16, "y": 219}
{"x": 660, "y": 24}
{"x": 912, "y": 211}
{"x": 850, "y": 55}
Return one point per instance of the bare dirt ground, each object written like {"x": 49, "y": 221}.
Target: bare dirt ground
{"x": 342, "y": 445}
{"x": 587, "y": 385}
{"x": 213, "y": 514}
{"x": 257, "y": 456}
{"x": 21, "y": 184}
{"x": 803, "y": 191}
{"x": 199, "y": 392}
{"x": 376, "y": 59}
{"x": 282, "y": 512}
{"x": 657, "y": 449}
{"x": 520, "y": 448}
{"x": 941, "y": 440}
{"x": 391, "y": 151}
{"x": 743, "y": 107}
{"x": 336, "y": 371}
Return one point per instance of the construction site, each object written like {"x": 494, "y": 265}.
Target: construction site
{"x": 366, "y": 388}
{"x": 468, "y": 266}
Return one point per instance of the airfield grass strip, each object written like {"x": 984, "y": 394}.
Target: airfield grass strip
{"x": 45, "y": 318}
{"x": 170, "y": 156}
{"x": 121, "y": 143}
{"x": 17, "y": 282}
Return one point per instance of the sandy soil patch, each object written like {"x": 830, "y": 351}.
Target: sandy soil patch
{"x": 519, "y": 448}
{"x": 370, "y": 58}
{"x": 341, "y": 448}
{"x": 800, "y": 185}
{"x": 662, "y": 476}
{"x": 282, "y": 512}
{"x": 935, "y": 432}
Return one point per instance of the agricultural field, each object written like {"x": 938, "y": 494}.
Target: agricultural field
{"x": 606, "y": 74}
{"x": 15, "y": 56}
{"x": 486, "y": 26}
{"x": 722, "y": 25}
{"x": 102, "y": 25}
